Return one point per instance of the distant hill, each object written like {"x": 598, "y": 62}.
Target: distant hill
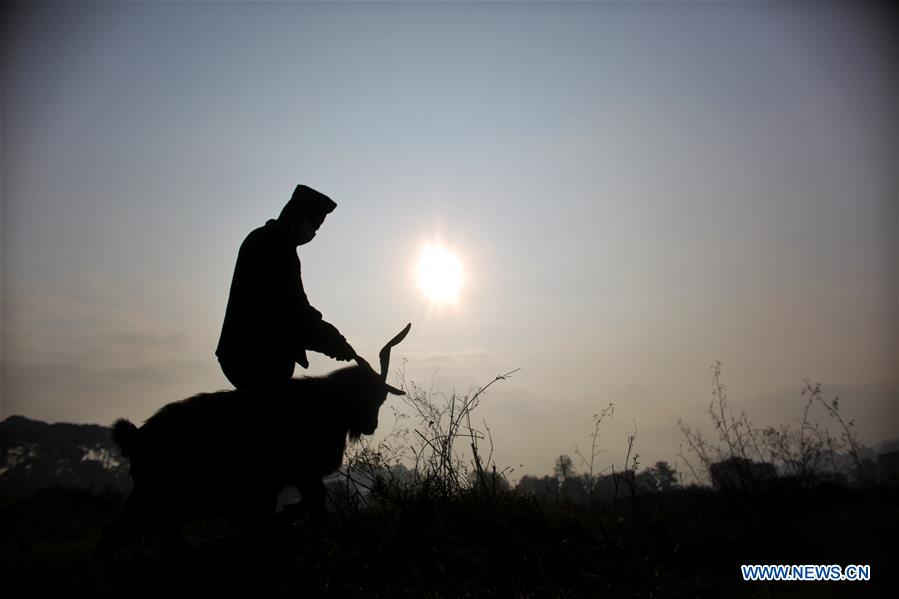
{"x": 36, "y": 455}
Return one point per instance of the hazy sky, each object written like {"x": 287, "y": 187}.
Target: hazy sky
{"x": 635, "y": 190}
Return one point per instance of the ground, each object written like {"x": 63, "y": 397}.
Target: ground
{"x": 684, "y": 543}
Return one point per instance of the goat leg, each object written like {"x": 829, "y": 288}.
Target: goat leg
{"x": 313, "y": 492}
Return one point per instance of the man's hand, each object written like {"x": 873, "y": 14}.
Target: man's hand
{"x": 344, "y": 351}
{"x": 330, "y": 342}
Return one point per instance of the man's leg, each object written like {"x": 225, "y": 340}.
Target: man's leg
{"x": 256, "y": 376}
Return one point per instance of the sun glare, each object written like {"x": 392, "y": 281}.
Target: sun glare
{"x": 439, "y": 274}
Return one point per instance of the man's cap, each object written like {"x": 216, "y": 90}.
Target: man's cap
{"x": 306, "y": 200}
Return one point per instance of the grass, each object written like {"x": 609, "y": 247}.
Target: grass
{"x": 684, "y": 543}
{"x": 450, "y": 525}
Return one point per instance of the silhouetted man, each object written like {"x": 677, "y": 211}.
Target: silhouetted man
{"x": 269, "y": 323}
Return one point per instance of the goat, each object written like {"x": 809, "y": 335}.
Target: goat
{"x": 230, "y": 453}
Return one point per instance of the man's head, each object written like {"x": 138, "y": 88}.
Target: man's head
{"x": 305, "y": 213}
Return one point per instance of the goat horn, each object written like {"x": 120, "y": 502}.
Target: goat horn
{"x": 385, "y": 351}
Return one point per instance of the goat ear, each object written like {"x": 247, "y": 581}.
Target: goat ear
{"x": 394, "y": 390}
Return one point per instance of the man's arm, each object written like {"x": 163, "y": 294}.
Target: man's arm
{"x": 317, "y": 334}
{"x": 325, "y": 338}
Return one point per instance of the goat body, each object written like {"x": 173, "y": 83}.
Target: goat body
{"x": 230, "y": 453}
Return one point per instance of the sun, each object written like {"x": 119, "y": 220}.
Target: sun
{"x": 439, "y": 274}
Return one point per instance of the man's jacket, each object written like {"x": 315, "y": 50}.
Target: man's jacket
{"x": 268, "y": 320}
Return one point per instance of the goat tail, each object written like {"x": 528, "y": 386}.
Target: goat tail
{"x": 124, "y": 433}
